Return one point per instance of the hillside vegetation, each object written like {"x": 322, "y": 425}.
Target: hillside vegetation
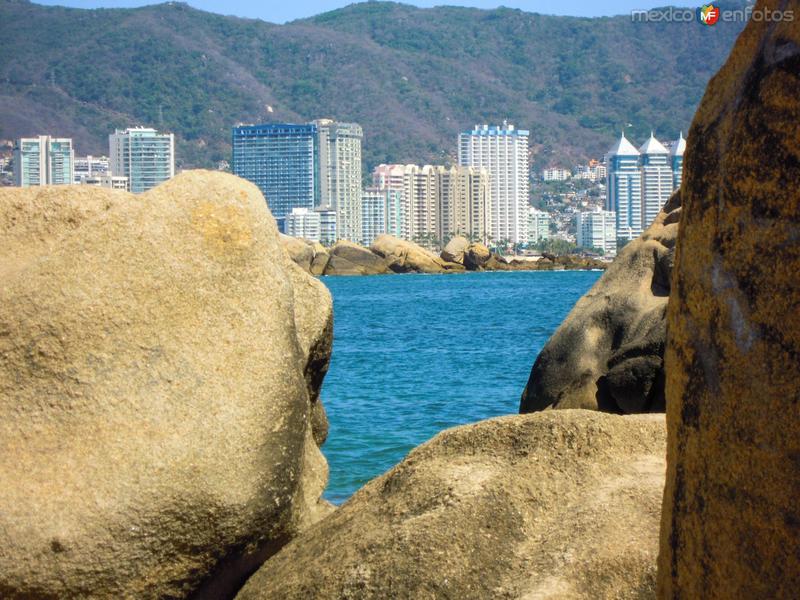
{"x": 412, "y": 77}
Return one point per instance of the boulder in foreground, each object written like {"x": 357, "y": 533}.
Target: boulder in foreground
{"x": 731, "y": 526}
{"x": 608, "y": 354}
{"x": 559, "y": 504}
{"x": 160, "y": 363}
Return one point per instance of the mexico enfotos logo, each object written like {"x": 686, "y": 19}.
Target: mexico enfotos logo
{"x": 709, "y": 15}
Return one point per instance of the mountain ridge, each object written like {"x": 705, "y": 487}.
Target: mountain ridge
{"x": 412, "y": 77}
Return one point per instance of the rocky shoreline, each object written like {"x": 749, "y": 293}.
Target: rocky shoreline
{"x": 161, "y": 360}
{"x": 388, "y": 254}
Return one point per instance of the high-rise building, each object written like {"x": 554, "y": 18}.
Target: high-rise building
{"x": 676, "y": 161}
{"x": 395, "y": 213}
{"x": 538, "y": 225}
{"x": 503, "y": 151}
{"x": 624, "y": 189}
{"x": 656, "y": 179}
{"x": 392, "y": 179}
{"x": 373, "y": 214}
{"x": 281, "y": 159}
{"x": 327, "y": 225}
{"x": 597, "y": 229}
{"x": 143, "y": 155}
{"x": 464, "y": 203}
{"x": 90, "y": 167}
{"x": 339, "y": 174}
{"x": 427, "y": 204}
{"x": 303, "y": 223}
{"x": 422, "y": 193}
{"x": 43, "y": 160}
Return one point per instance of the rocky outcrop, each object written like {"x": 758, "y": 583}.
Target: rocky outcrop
{"x": 608, "y": 352}
{"x": 312, "y": 257}
{"x": 393, "y": 255}
{"x": 455, "y": 250}
{"x": 408, "y": 257}
{"x": 559, "y": 504}
{"x": 347, "y": 258}
{"x": 476, "y": 256}
{"x": 160, "y": 364}
{"x": 731, "y": 525}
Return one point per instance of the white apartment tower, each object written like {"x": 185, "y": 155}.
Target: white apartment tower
{"x": 624, "y": 189}
{"x": 538, "y": 225}
{"x": 657, "y": 182}
{"x": 143, "y": 155}
{"x": 422, "y": 191}
{"x": 393, "y": 179}
{"x": 43, "y": 160}
{"x": 303, "y": 223}
{"x": 503, "y": 151}
{"x": 373, "y": 214}
{"x": 597, "y": 229}
{"x": 339, "y": 174}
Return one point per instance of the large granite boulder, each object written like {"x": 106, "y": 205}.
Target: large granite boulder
{"x": 160, "y": 364}
{"x": 455, "y": 250}
{"x": 310, "y": 256}
{"x": 347, "y": 258}
{"x": 407, "y": 257}
{"x": 731, "y": 523}
{"x": 300, "y": 251}
{"x": 608, "y": 352}
{"x": 560, "y": 504}
{"x": 476, "y": 256}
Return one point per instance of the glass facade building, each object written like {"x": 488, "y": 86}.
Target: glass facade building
{"x": 143, "y": 155}
{"x": 282, "y": 160}
{"x": 624, "y": 190}
{"x": 43, "y": 160}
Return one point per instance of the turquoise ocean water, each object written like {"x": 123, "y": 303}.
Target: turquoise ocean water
{"x": 415, "y": 354}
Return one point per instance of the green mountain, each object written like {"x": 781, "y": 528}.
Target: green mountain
{"x": 413, "y": 78}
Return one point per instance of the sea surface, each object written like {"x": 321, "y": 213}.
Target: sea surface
{"x": 416, "y": 354}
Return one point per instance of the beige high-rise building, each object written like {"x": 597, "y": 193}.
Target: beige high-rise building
{"x": 464, "y": 203}
{"x": 392, "y": 180}
{"x": 436, "y": 202}
{"x": 339, "y": 180}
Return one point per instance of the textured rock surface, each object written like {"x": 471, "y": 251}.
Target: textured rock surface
{"x": 455, "y": 250}
{"x": 160, "y": 362}
{"x": 312, "y": 257}
{"x": 347, "y": 258}
{"x": 608, "y": 352}
{"x": 731, "y": 525}
{"x": 560, "y": 504}
{"x": 408, "y": 257}
{"x": 476, "y": 256}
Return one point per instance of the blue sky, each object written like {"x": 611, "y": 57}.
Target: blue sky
{"x": 282, "y": 11}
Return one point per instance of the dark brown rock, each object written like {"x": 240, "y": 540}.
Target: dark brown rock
{"x": 731, "y": 522}
{"x": 617, "y": 325}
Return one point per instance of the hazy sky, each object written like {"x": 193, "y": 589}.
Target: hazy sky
{"x": 282, "y": 11}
